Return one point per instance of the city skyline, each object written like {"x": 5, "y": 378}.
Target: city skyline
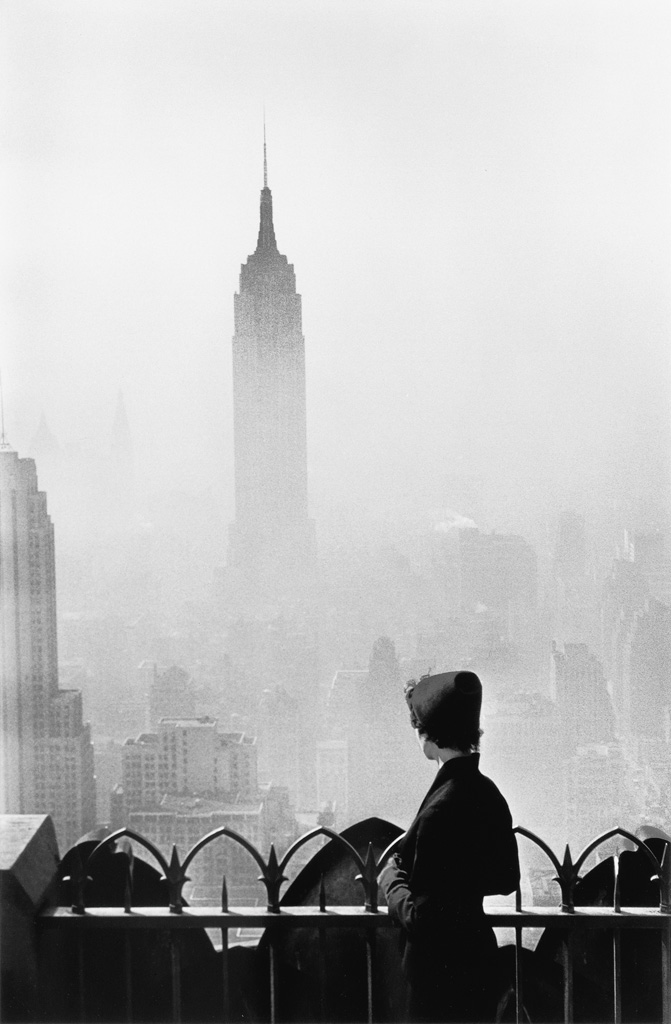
{"x": 244, "y": 510}
{"x": 448, "y": 240}
{"x": 478, "y": 492}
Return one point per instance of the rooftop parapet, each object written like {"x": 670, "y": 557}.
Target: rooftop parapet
{"x": 575, "y": 926}
{"x": 28, "y": 874}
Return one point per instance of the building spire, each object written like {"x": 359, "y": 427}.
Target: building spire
{"x": 121, "y": 437}
{"x": 266, "y": 241}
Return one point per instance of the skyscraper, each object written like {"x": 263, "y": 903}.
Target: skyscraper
{"x": 46, "y": 757}
{"x": 271, "y": 552}
{"x": 648, "y": 702}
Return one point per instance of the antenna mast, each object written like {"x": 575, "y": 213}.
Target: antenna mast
{"x": 265, "y": 160}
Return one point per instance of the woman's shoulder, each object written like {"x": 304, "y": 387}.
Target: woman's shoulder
{"x": 441, "y": 798}
{"x": 465, "y": 786}
{"x": 489, "y": 786}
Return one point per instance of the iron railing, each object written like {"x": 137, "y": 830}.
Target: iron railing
{"x": 567, "y": 919}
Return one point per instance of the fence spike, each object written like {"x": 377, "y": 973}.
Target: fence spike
{"x": 322, "y": 895}
{"x": 567, "y": 877}
{"x": 77, "y": 879}
{"x": 272, "y": 878}
{"x": 128, "y": 892}
{"x": 224, "y": 896}
{"x": 617, "y": 895}
{"x": 370, "y": 880}
{"x": 176, "y": 877}
{"x": 665, "y": 881}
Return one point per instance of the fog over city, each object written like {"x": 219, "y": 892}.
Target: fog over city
{"x": 475, "y": 199}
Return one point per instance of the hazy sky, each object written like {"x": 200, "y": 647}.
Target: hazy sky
{"x": 475, "y": 197}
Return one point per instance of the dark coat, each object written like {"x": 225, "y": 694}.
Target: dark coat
{"x": 459, "y": 848}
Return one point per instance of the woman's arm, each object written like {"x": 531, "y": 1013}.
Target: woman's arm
{"x": 436, "y": 885}
{"x": 394, "y": 884}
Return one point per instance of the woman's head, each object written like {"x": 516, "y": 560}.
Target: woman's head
{"x": 445, "y": 709}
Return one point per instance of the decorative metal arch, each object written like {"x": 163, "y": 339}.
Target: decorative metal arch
{"x": 272, "y": 872}
{"x": 79, "y": 876}
{"x": 227, "y": 833}
{"x": 568, "y": 872}
{"x": 552, "y": 856}
{"x": 321, "y": 830}
{"x": 605, "y": 836}
{"x": 173, "y": 872}
{"x": 661, "y": 868}
{"x": 521, "y": 831}
{"x": 366, "y": 867}
{"x": 136, "y": 837}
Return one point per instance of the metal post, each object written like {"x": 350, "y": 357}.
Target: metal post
{"x": 80, "y": 972}
{"x": 666, "y": 972}
{"x": 370, "y": 944}
{"x": 322, "y": 953}
{"x": 567, "y": 959}
{"x": 225, "y": 981}
{"x": 273, "y": 979}
{"x": 322, "y": 976}
{"x": 665, "y": 907}
{"x": 176, "y": 979}
{"x": 617, "y": 976}
{"x": 519, "y": 995}
{"x": 128, "y": 976}
{"x": 617, "y": 945}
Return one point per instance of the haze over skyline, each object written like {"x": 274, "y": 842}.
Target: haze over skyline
{"x": 474, "y": 196}
{"x": 475, "y": 199}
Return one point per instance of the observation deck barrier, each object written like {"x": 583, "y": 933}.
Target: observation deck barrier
{"x": 77, "y": 922}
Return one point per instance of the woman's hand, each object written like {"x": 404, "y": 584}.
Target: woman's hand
{"x": 392, "y": 874}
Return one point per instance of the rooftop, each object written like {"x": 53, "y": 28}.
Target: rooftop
{"x": 194, "y": 805}
{"x": 189, "y": 723}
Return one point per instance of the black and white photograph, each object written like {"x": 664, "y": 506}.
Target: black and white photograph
{"x": 335, "y": 511}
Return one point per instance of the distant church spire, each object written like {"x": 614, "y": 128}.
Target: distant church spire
{"x": 5, "y": 446}
{"x": 121, "y": 437}
{"x": 43, "y": 444}
{"x": 266, "y": 242}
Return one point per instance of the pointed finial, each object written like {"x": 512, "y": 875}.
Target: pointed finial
{"x": 567, "y": 878}
{"x": 272, "y": 878}
{"x": 176, "y": 877}
{"x": 265, "y": 157}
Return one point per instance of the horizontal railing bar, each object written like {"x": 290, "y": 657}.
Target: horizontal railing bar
{"x": 342, "y": 917}
{"x": 208, "y": 917}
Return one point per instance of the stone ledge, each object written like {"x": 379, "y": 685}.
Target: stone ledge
{"x": 28, "y": 876}
{"x": 28, "y": 855}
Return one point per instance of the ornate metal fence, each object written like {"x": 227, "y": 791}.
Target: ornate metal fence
{"x": 568, "y": 919}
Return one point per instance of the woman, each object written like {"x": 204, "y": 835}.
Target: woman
{"x": 459, "y": 848}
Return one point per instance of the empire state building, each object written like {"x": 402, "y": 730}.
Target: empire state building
{"x": 272, "y": 542}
